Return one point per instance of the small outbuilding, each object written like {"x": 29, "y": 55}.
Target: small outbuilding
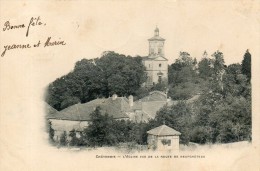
{"x": 163, "y": 138}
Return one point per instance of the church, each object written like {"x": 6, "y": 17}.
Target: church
{"x": 156, "y": 64}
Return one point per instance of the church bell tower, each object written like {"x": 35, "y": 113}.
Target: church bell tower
{"x": 156, "y": 45}
{"x": 155, "y": 63}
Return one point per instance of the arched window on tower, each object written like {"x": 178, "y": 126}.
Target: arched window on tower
{"x": 160, "y": 65}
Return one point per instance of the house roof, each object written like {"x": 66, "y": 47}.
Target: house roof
{"x": 49, "y": 108}
{"x": 163, "y": 130}
{"x": 139, "y": 116}
{"x": 50, "y": 111}
{"x": 155, "y": 96}
{"x": 81, "y": 112}
{"x": 152, "y": 107}
{"x": 150, "y": 104}
{"x": 146, "y": 110}
{"x": 137, "y": 105}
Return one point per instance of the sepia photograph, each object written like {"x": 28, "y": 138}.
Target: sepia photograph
{"x": 129, "y": 85}
{"x": 144, "y": 102}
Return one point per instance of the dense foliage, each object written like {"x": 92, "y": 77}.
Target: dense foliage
{"x": 183, "y": 77}
{"x": 246, "y": 65}
{"x": 223, "y": 111}
{"x": 100, "y": 77}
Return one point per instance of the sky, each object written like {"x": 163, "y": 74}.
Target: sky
{"x": 192, "y": 26}
{"x": 187, "y": 26}
{"x": 89, "y": 28}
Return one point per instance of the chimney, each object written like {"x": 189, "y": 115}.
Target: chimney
{"x": 114, "y": 96}
{"x": 131, "y": 100}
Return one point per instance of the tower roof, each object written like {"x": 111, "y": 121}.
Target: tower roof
{"x": 156, "y": 38}
{"x": 156, "y": 35}
{"x": 156, "y": 29}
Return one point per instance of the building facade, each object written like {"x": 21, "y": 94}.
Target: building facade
{"x": 78, "y": 116}
{"x": 156, "y": 64}
{"x": 163, "y": 138}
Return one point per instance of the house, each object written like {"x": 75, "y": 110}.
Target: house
{"x": 163, "y": 138}
{"x": 77, "y": 117}
{"x": 155, "y": 63}
{"x": 147, "y": 107}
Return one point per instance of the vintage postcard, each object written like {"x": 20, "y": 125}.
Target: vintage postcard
{"x": 129, "y": 85}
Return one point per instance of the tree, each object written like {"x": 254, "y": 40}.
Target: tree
{"x": 137, "y": 133}
{"x": 51, "y": 132}
{"x": 183, "y": 77}
{"x": 246, "y": 65}
{"x": 124, "y": 74}
{"x": 76, "y": 141}
{"x": 183, "y": 69}
{"x": 218, "y": 63}
{"x": 235, "y": 83}
{"x": 99, "y": 132}
{"x": 185, "y": 59}
{"x": 182, "y": 91}
{"x": 205, "y": 68}
{"x": 179, "y": 117}
{"x": 92, "y": 79}
{"x": 69, "y": 102}
{"x": 73, "y": 141}
{"x": 63, "y": 139}
{"x": 161, "y": 86}
{"x": 142, "y": 92}
{"x": 219, "y": 69}
{"x": 99, "y": 77}
{"x": 200, "y": 134}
